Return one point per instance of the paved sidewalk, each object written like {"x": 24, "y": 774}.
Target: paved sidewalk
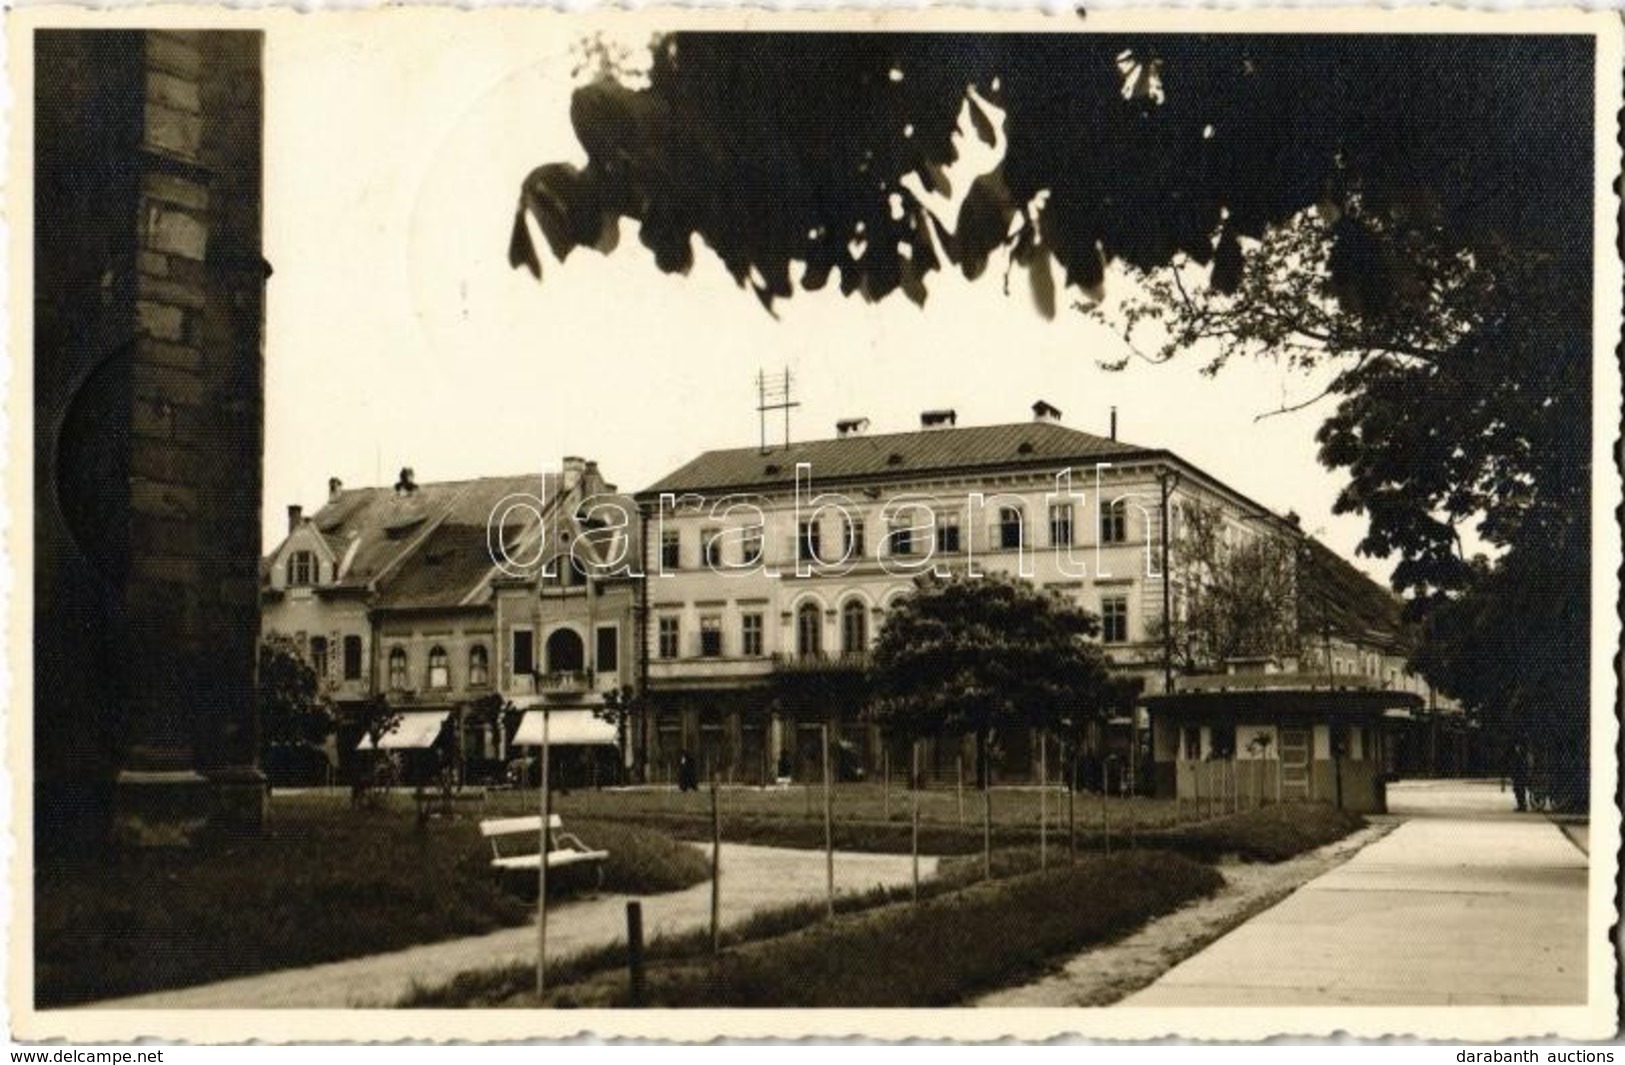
{"x": 1465, "y": 903}
{"x": 753, "y": 878}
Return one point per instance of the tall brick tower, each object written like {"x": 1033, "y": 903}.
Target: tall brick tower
{"x": 149, "y": 321}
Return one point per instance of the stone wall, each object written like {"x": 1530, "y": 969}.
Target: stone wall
{"x": 149, "y": 307}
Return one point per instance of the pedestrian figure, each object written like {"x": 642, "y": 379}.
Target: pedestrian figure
{"x": 688, "y": 775}
{"x": 1518, "y": 770}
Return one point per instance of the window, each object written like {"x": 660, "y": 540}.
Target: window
{"x": 1114, "y": 522}
{"x": 1060, "y": 524}
{"x": 1010, "y": 530}
{"x": 807, "y": 542}
{"x": 751, "y": 545}
{"x": 318, "y": 656}
{"x": 900, "y": 538}
{"x": 711, "y": 544}
{"x": 1191, "y": 736}
{"x": 948, "y": 533}
{"x": 524, "y": 652}
{"x": 352, "y": 658}
{"x": 479, "y": 666}
{"x": 1224, "y": 741}
{"x": 397, "y": 670}
{"x": 670, "y": 633}
{"x": 1114, "y": 619}
{"x": 750, "y": 635}
{"x": 809, "y": 631}
{"x": 854, "y": 627}
{"x": 854, "y": 538}
{"x": 608, "y": 657}
{"x": 301, "y": 569}
{"x": 671, "y": 549}
{"x": 565, "y": 652}
{"x": 439, "y": 668}
{"x": 711, "y": 636}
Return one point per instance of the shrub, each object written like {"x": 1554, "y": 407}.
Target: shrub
{"x": 936, "y": 953}
{"x": 1267, "y": 834}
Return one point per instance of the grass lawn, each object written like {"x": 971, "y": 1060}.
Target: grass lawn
{"x": 598, "y": 977}
{"x": 950, "y": 947}
{"x": 326, "y": 882}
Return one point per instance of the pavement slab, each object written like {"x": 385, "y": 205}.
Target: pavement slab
{"x": 1464, "y": 903}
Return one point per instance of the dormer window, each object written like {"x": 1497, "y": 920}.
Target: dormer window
{"x": 301, "y": 569}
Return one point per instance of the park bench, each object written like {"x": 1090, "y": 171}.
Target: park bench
{"x": 564, "y": 849}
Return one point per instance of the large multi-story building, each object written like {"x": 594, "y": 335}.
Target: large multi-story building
{"x": 770, "y": 571}
{"x": 436, "y": 597}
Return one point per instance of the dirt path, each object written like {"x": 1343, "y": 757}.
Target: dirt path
{"x": 1102, "y": 976}
{"x": 753, "y": 878}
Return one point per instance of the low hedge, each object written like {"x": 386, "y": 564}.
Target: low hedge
{"x": 939, "y": 952}
{"x": 1268, "y": 834}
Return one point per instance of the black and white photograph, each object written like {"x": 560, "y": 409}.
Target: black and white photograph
{"x": 916, "y": 524}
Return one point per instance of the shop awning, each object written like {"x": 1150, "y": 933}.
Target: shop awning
{"x": 566, "y": 727}
{"x": 417, "y": 729}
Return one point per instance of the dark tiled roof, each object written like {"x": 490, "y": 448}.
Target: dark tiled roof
{"x": 1355, "y": 606}
{"x": 894, "y": 455}
{"x": 391, "y": 532}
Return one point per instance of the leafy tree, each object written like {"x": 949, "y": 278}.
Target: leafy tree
{"x": 1235, "y": 599}
{"x": 494, "y": 710}
{"x": 1411, "y": 212}
{"x": 966, "y": 656}
{"x": 826, "y": 149}
{"x": 291, "y": 706}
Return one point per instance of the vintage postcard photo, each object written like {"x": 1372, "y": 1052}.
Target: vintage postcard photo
{"x": 739, "y": 523}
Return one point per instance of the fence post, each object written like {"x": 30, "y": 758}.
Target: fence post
{"x": 885, "y": 782}
{"x": 987, "y": 826}
{"x": 829, "y": 829}
{"x": 1072, "y": 807}
{"x": 1105, "y": 821}
{"x": 960, "y": 787}
{"x": 1043, "y": 801}
{"x": 634, "y": 952}
{"x": 716, "y": 869}
{"x": 914, "y": 814}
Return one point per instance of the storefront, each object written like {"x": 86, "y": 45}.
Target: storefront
{"x": 1275, "y": 737}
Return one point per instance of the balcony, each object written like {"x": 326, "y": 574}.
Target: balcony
{"x": 821, "y": 662}
{"x": 564, "y": 682}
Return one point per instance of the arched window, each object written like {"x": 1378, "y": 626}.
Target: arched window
{"x": 854, "y": 627}
{"x": 439, "y": 668}
{"x": 809, "y": 631}
{"x": 479, "y": 666}
{"x": 1011, "y": 534}
{"x": 397, "y": 669}
{"x": 565, "y": 652}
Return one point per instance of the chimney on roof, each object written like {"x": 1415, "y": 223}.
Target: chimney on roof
{"x": 1043, "y": 412}
{"x": 296, "y": 514}
{"x": 334, "y": 487}
{"x": 408, "y": 482}
{"x": 938, "y": 419}
{"x": 851, "y": 427}
{"x": 574, "y": 467}
{"x": 1114, "y": 423}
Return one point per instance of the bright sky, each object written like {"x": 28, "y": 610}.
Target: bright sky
{"x": 399, "y": 336}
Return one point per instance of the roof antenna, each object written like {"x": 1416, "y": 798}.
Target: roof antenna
{"x": 773, "y": 394}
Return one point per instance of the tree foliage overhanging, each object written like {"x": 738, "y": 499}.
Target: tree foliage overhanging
{"x": 1413, "y": 211}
